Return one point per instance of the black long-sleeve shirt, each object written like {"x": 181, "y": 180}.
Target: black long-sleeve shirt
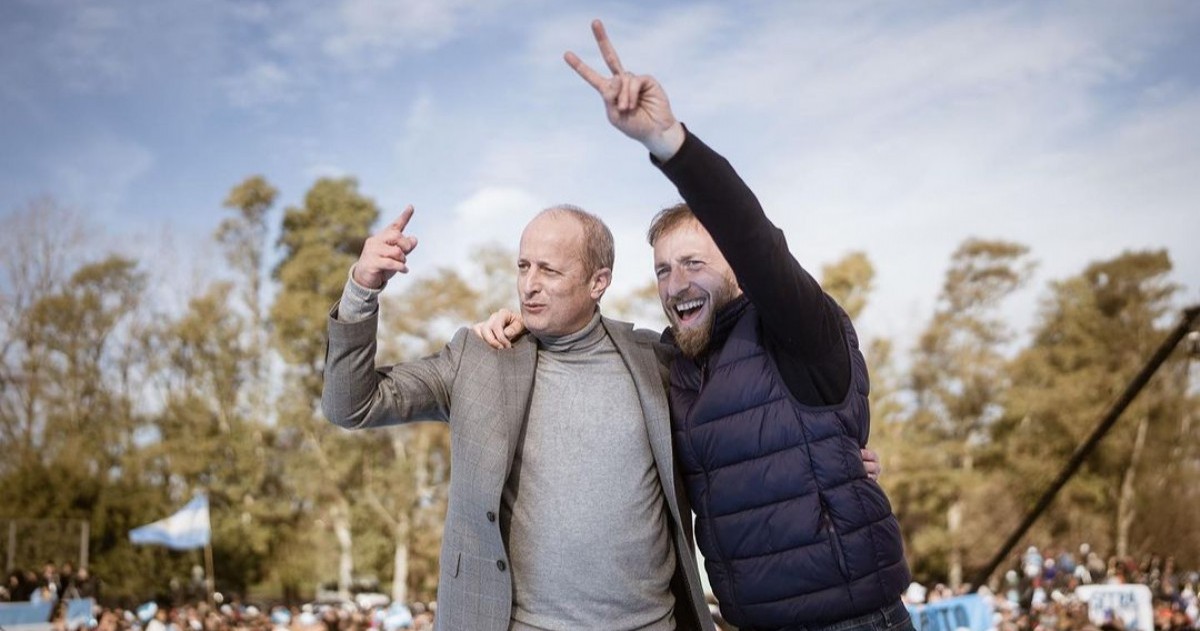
{"x": 801, "y": 325}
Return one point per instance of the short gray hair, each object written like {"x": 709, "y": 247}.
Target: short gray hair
{"x": 598, "y": 252}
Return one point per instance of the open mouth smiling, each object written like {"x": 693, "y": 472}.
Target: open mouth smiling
{"x": 689, "y": 310}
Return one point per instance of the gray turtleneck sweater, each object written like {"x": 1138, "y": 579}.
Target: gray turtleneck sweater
{"x": 583, "y": 509}
{"x": 583, "y": 513}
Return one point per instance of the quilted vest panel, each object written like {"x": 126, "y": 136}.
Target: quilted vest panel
{"x": 791, "y": 528}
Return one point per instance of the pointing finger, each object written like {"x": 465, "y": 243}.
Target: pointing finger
{"x": 606, "y": 48}
{"x": 401, "y": 222}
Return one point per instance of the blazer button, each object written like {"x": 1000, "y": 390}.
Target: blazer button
{"x": 501, "y": 565}
{"x": 491, "y": 516}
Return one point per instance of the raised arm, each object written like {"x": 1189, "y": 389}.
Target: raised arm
{"x": 635, "y": 104}
{"x": 801, "y": 321}
{"x": 358, "y": 394}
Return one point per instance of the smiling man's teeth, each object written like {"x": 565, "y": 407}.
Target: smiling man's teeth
{"x": 691, "y": 304}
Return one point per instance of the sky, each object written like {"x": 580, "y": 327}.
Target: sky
{"x": 898, "y": 129}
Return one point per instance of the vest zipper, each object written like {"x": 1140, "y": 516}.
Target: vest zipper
{"x": 835, "y": 541}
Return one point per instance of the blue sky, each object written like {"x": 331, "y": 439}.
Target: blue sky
{"x": 895, "y": 128}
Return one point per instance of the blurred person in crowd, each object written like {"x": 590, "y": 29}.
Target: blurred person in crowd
{"x": 1031, "y": 562}
{"x": 108, "y": 620}
{"x": 66, "y": 580}
{"x": 48, "y": 582}
{"x": 86, "y": 585}
{"x": 1049, "y": 571}
{"x": 1096, "y": 567}
{"x": 1066, "y": 562}
{"x": 12, "y": 587}
{"x": 158, "y": 618}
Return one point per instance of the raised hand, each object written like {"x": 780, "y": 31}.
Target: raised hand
{"x": 385, "y": 253}
{"x": 636, "y": 104}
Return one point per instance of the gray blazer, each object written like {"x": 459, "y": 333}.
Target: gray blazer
{"x": 484, "y": 393}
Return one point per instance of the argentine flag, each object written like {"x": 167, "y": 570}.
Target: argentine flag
{"x": 186, "y": 530}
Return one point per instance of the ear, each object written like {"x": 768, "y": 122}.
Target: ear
{"x": 599, "y": 282}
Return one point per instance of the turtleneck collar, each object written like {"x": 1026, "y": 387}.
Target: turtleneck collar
{"x": 727, "y": 316}
{"x": 583, "y": 339}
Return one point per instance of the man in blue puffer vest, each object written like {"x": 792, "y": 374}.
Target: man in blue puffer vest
{"x": 768, "y": 396}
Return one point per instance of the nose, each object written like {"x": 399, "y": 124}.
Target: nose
{"x": 677, "y": 282}
{"x": 528, "y": 284}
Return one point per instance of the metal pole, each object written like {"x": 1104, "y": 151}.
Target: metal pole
{"x": 83, "y": 543}
{"x": 209, "y": 579}
{"x": 1084, "y": 450}
{"x": 12, "y": 546}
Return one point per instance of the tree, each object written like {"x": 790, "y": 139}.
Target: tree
{"x": 956, "y": 380}
{"x": 71, "y": 373}
{"x": 35, "y": 258}
{"x": 74, "y": 340}
{"x": 244, "y": 237}
{"x": 1094, "y": 332}
{"x": 320, "y": 241}
{"x": 850, "y": 281}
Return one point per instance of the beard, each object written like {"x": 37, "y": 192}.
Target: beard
{"x": 694, "y": 340}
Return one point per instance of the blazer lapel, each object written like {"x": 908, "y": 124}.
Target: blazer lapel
{"x": 517, "y": 369}
{"x": 643, "y": 365}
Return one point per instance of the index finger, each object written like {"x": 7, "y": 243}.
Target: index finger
{"x": 402, "y": 221}
{"x": 585, "y": 71}
{"x": 606, "y": 48}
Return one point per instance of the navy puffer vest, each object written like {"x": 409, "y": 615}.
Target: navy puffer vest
{"x": 791, "y": 528}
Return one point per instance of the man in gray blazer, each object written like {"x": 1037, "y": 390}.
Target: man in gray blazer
{"x": 565, "y": 511}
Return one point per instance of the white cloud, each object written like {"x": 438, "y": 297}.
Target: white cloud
{"x": 541, "y": 159}
{"x": 375, "y": 31}
{"x": 492, "y": 210}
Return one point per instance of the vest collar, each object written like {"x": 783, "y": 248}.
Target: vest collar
{"x": 727, "y": 317}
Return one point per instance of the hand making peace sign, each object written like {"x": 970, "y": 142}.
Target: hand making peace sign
{"x": 636, "y": 104}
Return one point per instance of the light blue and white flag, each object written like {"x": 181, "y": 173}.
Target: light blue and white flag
{"x": 186, "y": 530}
{"x": 972, "y": 612}
{"x": 79, "y": 613}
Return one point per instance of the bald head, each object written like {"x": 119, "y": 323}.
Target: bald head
{"x": 596, "y": 249}
{"x": 563, "y": 268}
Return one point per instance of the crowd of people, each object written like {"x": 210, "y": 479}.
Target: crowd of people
{"x": 53, "y": 584}
{"x": 188, "y": 611}
{"x": 240, "y": 616}
{"x": 1037, "y": 594}
{"x": 1040, "y": 593}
